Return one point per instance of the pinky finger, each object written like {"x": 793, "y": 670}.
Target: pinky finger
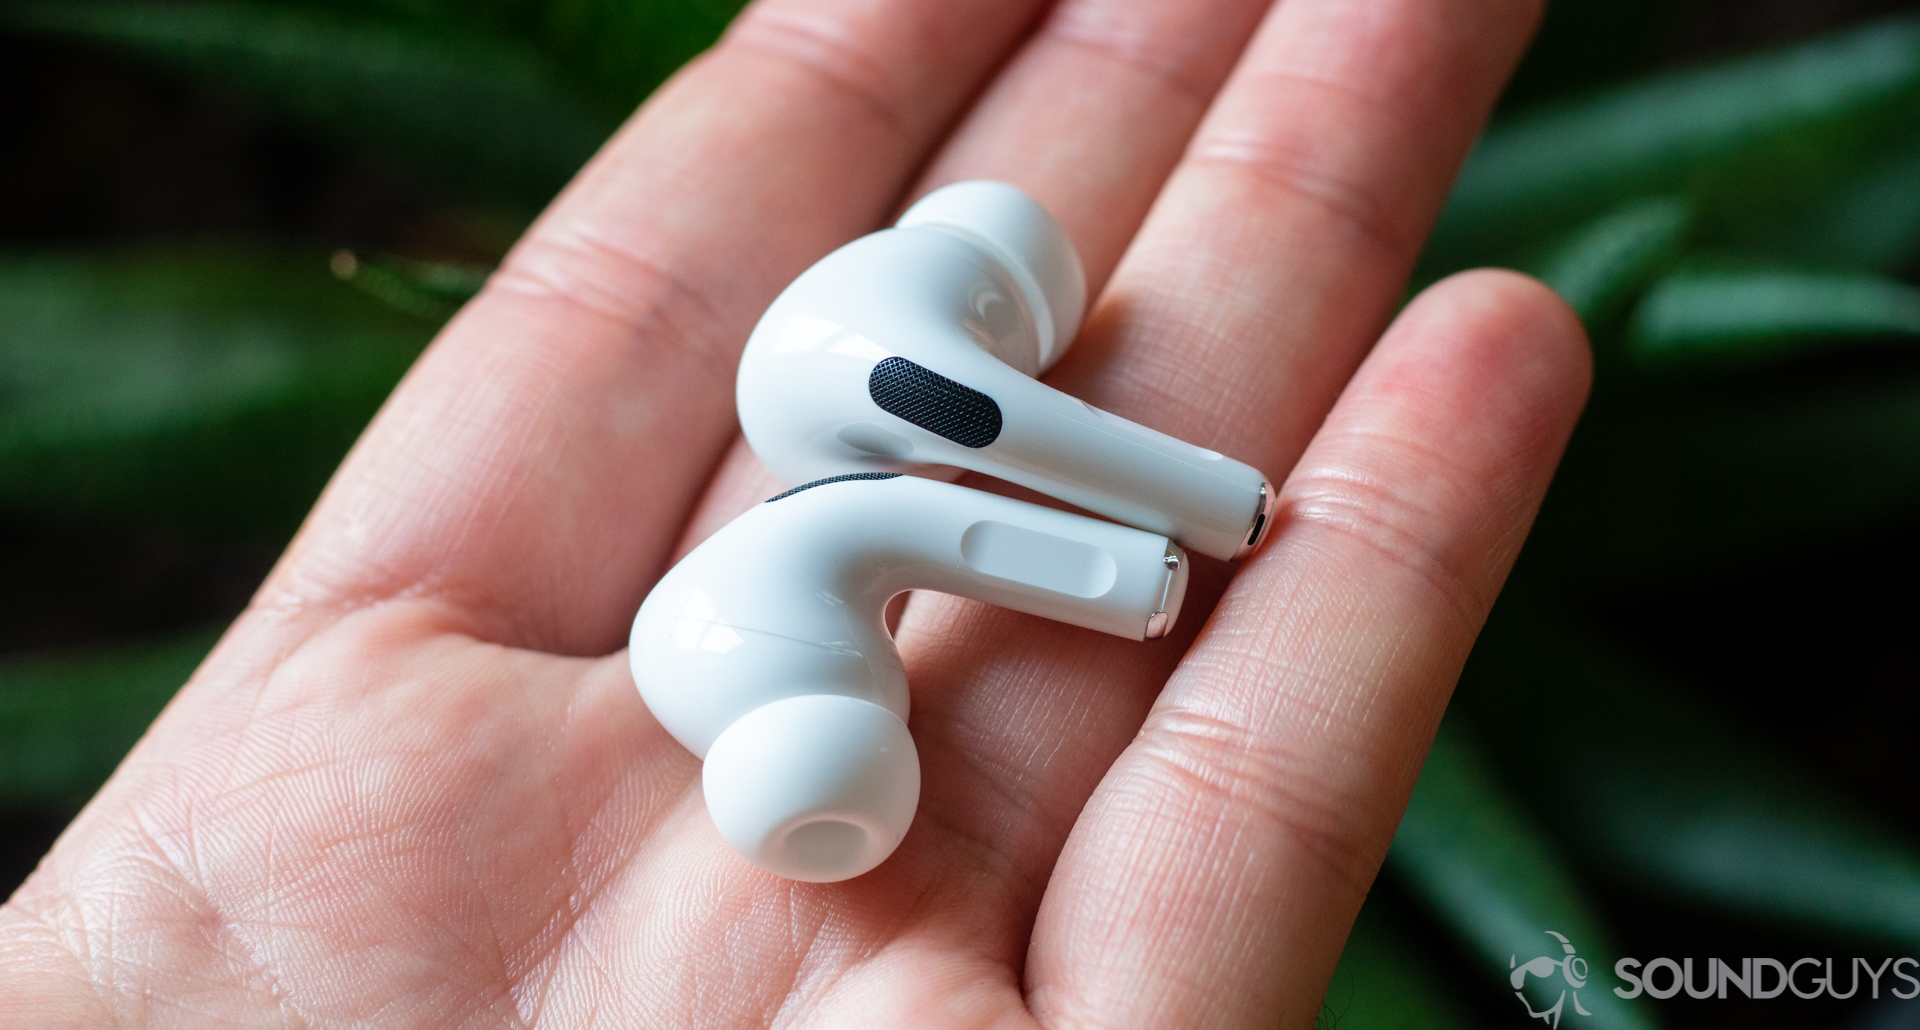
{"x": 1213, "y": 876}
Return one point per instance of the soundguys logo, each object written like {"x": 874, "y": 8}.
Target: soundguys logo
{"x": 1572, "y": 969}
{"x": 1757, "y": 978}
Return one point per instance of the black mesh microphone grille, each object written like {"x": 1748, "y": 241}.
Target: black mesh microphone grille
{"x": 833, "y": 479}
{"x": 934, "y": 403}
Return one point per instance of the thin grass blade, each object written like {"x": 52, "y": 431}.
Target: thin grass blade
{"x": 427, "y": 290}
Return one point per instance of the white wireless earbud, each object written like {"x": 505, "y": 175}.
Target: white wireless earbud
{"x": 918, "y": 346}
{"x": 765, "y": 650}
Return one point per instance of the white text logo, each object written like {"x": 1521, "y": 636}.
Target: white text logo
{"x": 1663, "y": 978}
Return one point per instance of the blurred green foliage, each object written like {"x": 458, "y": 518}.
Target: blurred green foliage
{"x": 1469, "y": 851}
{"x": 1743, "y": 140}
{"x": 1383, "y": 984}
{"x": 134, "y": 386}
{"x": 483, "y": 113}
{"x": 1664, "y": 792}
{"x": 1737, "y": 235}
{"x": 66, "y": 720}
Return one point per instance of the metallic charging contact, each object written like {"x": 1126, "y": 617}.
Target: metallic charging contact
{"x": 1262, "y": 521}
{"x": 1159, "y": 622}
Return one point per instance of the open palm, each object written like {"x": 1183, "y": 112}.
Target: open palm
{"x": 414, "y": 786}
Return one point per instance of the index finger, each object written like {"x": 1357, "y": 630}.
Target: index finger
{"x": 1215, "y": 871}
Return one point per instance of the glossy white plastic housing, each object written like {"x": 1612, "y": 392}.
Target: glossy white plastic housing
{"x": 978, "y": 285}
{"x": 765, "y": 650}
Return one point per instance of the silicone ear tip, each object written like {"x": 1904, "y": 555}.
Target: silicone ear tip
{"x": 1017, "y": 226}
{"x": 818, "y": 787}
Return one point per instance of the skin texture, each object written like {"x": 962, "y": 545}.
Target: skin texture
{"x": 414, "y": 785}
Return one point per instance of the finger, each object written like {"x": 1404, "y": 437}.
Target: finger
{"x": 1093, "y": 113}
{"x": 1265, "y": 271}
{"x": 1214, "y": 873}
{"x": 1088, "y": 118}
{"x": 1282, "y": 243}
{"x": 534, "y": 468}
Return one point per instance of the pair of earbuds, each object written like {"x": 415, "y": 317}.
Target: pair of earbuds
{"x": 895, "y": 361}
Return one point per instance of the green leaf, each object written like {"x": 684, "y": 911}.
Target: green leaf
{"x": 1384, "y": 983}
{"x": 210, "y": 391}
{"x": 67, "y": 719}
{"x": 1605, "y": 261}
{"x": 1696, "y": 314}
{"x": 479, "y": 114}
{"x": 1870, "y": 222}
{"x": 1787, "y": 120}
{"x": 1657, "y": 789}
{"x": 1466, "y": 849}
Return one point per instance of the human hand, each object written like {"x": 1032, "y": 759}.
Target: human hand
{"x": 414, "y": 787}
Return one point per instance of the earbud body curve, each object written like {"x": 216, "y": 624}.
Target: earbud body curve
{"x": 765, "y": 650}
{"x": 915, "y": 350}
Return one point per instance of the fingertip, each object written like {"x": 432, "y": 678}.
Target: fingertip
{"x": 1520, "y": 321}
{"x": 1443, "y": 444}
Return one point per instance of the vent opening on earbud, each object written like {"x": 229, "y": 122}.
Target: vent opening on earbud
{"x": 833, "y": 479}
